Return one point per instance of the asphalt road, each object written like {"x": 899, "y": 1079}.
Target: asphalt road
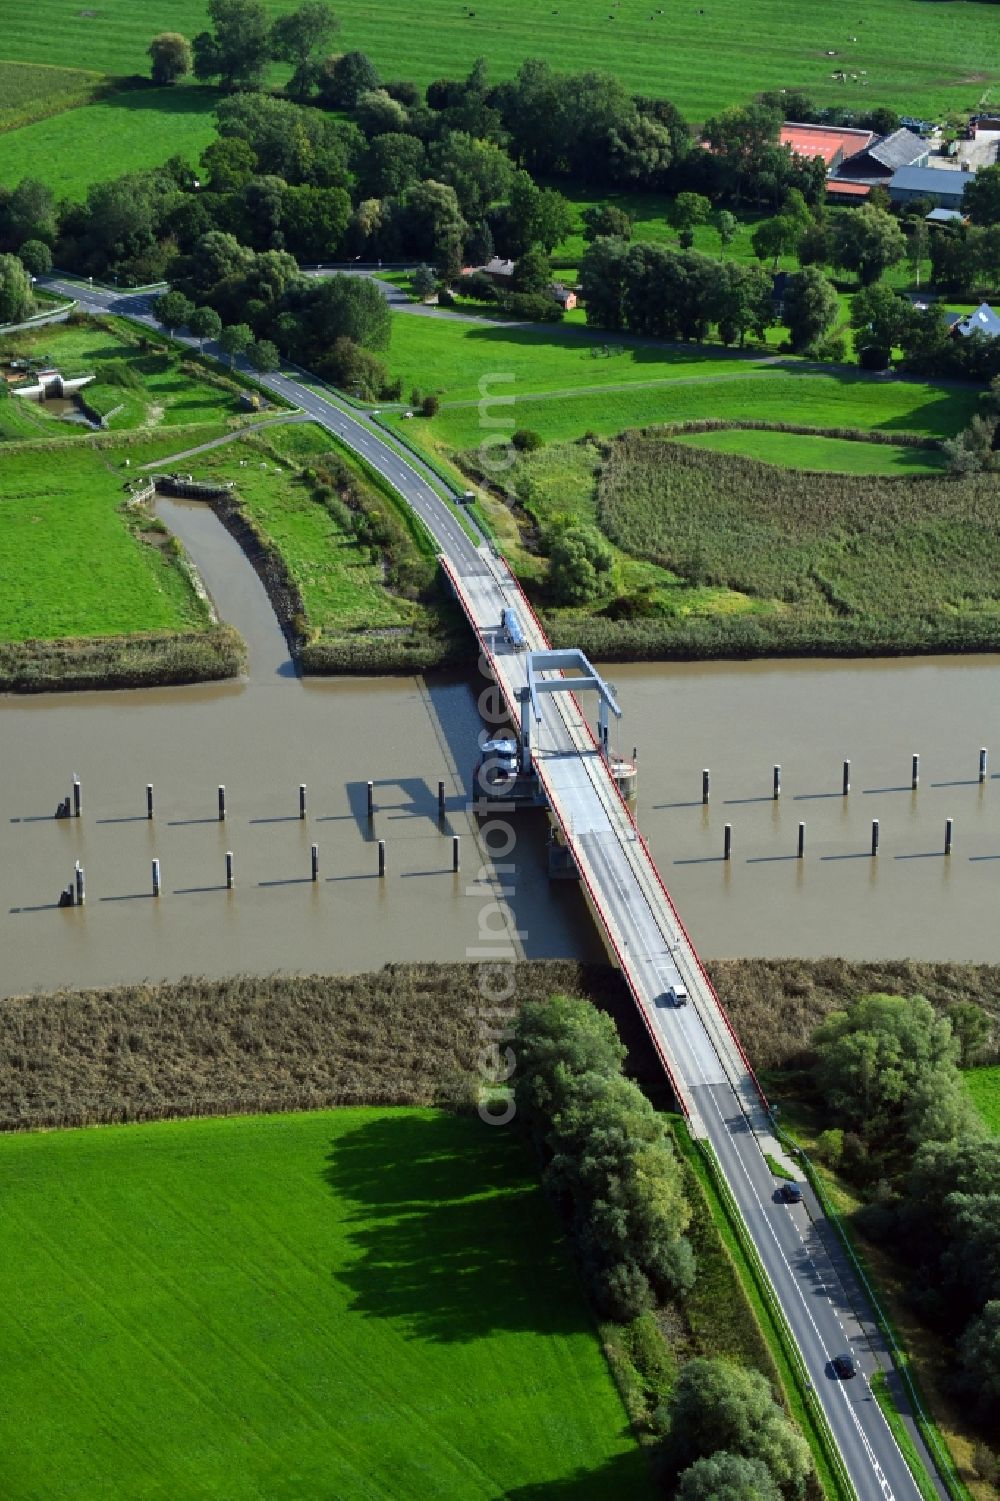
{"x": 826, "y": 1313}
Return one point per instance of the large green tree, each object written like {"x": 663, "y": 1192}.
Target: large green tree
{"x": 867, "y": 240}
{"x": 391, "y": 164}
{"x": 981, "y": 198}
{"x": 298, "y": 38}
{"x": 479, "y": 171}
{"x": 888, "y": 1069}
{"x": 580, "y": 564}
{"x": 16, "y": 301}
{"x": 204, "y": 323}
{"x": 170, "y": 56}
{"x": 718, "y": 1405}
{"x": 809, "y": 308}
{"x": 236, "y": 50}
{"x": 727, "y": 1477}
{"x": 172, "y": 310}
{"x": 880, "y": 318}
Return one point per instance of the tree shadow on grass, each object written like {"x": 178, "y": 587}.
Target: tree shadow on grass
{"x": 624, "y": 1475}
{"x": 449, "y": 1232}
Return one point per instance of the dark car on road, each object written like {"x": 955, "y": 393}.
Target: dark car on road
{"x": 844, "y": 1366}
{"x": 791, "y": 1192}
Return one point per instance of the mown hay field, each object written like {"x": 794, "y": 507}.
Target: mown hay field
{"x": 347, "y": 1303}
{"x": 916, "y": 57}
{"x": 124, "y": 132}
{"x": 907, "y": 552}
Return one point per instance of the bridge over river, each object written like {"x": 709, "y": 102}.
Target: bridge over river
{"x": 801, "y": 1255}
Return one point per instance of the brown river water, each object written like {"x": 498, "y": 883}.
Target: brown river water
{"x": 265, "y": 736}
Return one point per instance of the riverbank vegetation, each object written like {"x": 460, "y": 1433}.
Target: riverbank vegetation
{"x": 720, "y": 555}
{"x": 406, "y": 1034}
{"x": 385, "y": 1283}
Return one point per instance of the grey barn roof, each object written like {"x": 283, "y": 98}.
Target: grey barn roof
{"x": 931, "y": 180}
{"x": 898, "y": 150}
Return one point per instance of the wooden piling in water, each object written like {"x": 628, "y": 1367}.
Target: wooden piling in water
{"x": 149, "y": 799}
{"x": 984, "y": 756}
{"x": 874, "y": 837}
{"x": 727, "y": 842}
{"x": 156, "y": 877}
{"x": 949, "y": 832}
{"x": 847, "y": 778}
{"x": 915, "y": 772}
{"x": 706, "y": 783}
{"x": 77, "y": 796}
{"x": 314, "y": 861}
{"x": 371, "y": 799}
{"x": 222, "y": 803}
{"x": 302, "y": 799}
{"x": 776, "y": 784}
{"x": 381, "y": 859}
{"x": 455, "y": 852}
{"x": 802, "y": 841}
{"x": 230, "y": 873}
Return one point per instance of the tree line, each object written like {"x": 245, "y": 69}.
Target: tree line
{"x": 611, "y": 1171}
{"x": 906, "y": 1133}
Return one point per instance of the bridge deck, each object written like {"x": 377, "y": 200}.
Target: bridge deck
{"x": 631, "y": 905}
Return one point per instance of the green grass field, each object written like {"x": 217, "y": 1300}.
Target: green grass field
{"x": 839, "y": 455}
{"x": 916, "y": 57}
{"x": 123, "y": 133}
{"x": 72, "y": 565}
{"x": 983, "y": 1084}
{"x": 340, "y": 584}
{"x": 358, "y": 1303}
{"x": 776, "y": 394}
{"x": 459, "y": 361}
